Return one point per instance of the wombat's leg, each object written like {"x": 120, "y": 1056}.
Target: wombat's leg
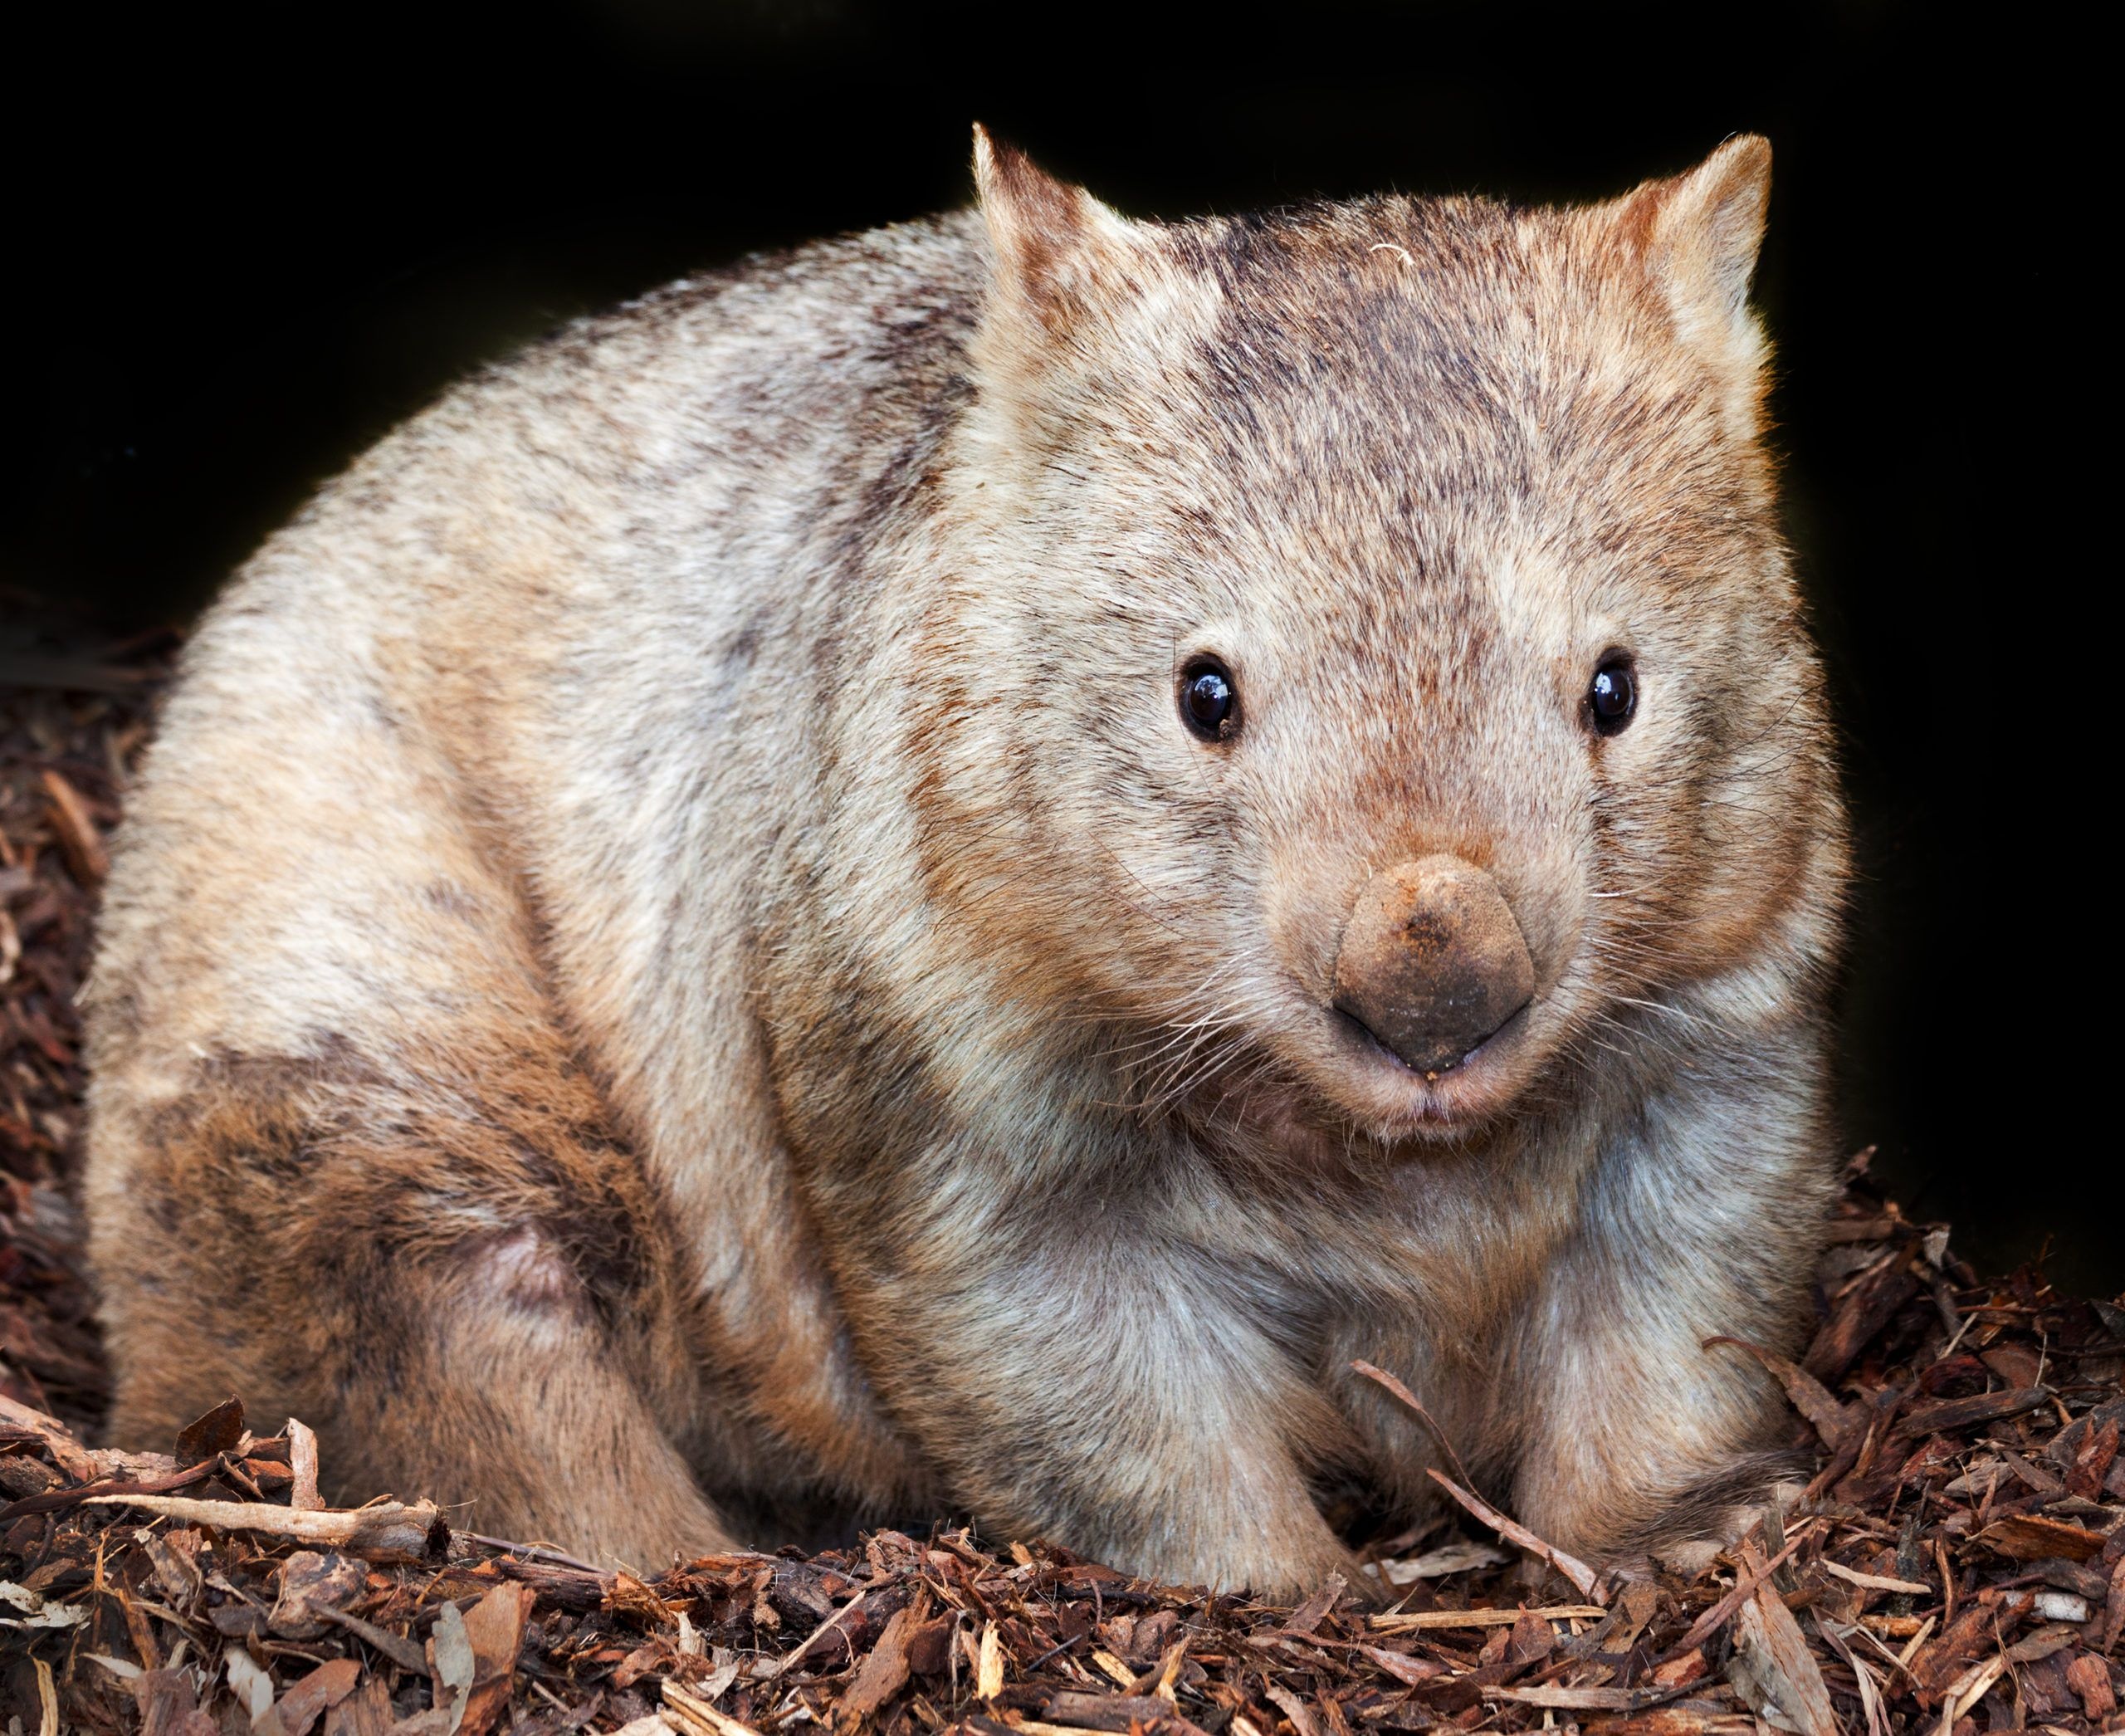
{"x": 1097, "y": 1390}
{"x": 460, "y": 1281}
{"x": 1703, "y": 1222}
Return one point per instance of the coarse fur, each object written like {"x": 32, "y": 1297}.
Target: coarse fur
{"x": 675, "y": 969}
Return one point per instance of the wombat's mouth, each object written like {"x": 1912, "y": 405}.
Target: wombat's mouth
{"x": 1469, "y": 1088}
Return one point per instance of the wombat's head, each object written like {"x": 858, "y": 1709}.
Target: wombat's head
{"x": 1367, "y": 670}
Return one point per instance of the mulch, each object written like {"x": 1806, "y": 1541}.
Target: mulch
{"x": 1957, "y": 1563}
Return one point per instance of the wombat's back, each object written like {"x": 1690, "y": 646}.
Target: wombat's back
{"x": 469, "y": 773}
{"x": 554, "y": 633}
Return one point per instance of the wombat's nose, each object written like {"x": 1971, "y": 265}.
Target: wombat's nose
{"x": 1433, "y": 961}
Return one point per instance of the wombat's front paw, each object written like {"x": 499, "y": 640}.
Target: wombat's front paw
{"x": 1282, "y": 1571}
{"x": 1294, "y": 1583}
{"x": 1718, "y": 1513}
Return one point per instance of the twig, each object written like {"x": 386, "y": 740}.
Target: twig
{"x": 390, "y": 1530}
{"x": 1708, "y": 1623}
{"x": 701, "y": 1717}
{"x": 1588, "y": 1582}
{"x": 1060, "y": 1647}
{"x": 56, "y": 1500}
{"x": 831, "y": 1624}
{"x": 537, "y": 1551}
{"x": 402, "y": 1651}
{"x": 1415, "y": 1404}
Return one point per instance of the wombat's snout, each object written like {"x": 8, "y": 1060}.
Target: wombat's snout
{"x": 1433, "y": 961}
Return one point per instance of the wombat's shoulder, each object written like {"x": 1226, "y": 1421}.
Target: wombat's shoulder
{"x": 642, "y": 470}
{"x": 793, "y": 331}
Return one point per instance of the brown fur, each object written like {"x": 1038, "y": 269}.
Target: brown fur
{"x": 674, "y": 961}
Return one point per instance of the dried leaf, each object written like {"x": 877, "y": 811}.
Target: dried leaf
{"x": 1874, "y": 1582}
{"x": 308, "y": 1580}
{"x": 253, "y": 1687}
{"x": 304, "y": 1704}
{"x": 1307, "y": 1616}
{"x": 220, "y": 1430}
{"x": 1837, "y": 1425}
{"x": 452, "y": 1664}
{"x": 1412, "y": 1670}
{"x": 494, "y": 1628}
{"x": 37, "y": 1612}
{"x": 1293, "y": 1708}
{"x": 1458, "y": 1558}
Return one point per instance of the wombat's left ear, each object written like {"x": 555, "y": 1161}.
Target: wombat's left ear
{"x": 1699, "y": 233}
{"x": 1056, "y": 250}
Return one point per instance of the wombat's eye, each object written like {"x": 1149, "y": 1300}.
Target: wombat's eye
{"x": 1209, "y": 703}
{"x": 1612, "y": 695}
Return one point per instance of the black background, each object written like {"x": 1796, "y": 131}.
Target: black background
{"x": 240, "y": 256}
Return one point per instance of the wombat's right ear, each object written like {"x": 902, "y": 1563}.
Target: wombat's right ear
{"x": 1706, "y": 227}
{"x": 1056, "y": 247}
{"x": 1695, "y": 235}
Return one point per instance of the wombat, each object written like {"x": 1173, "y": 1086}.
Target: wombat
{"x": 944, "y": 873}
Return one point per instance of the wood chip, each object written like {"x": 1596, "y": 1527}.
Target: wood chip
{"x": 302, "y": 1705}
{"x": 1419, "y": 1619}
{"x": 883, "y": 1672}
{"x": 2028, "y": 1536}
{"x": 699, "y": 1718}
{"x": 80, "y": 841}
{"x": 988, "y": 1664}
{"x": 302, "y": 1463}
{"x": 66, "y": 1452}
{"x": 1105, "y": 1711}
{"x": 1774, "y": 1669}
{"x": 1577, "y": 1699}
{"x": 1874, "y": 1582}
{"x": 1963, "y": 1413}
